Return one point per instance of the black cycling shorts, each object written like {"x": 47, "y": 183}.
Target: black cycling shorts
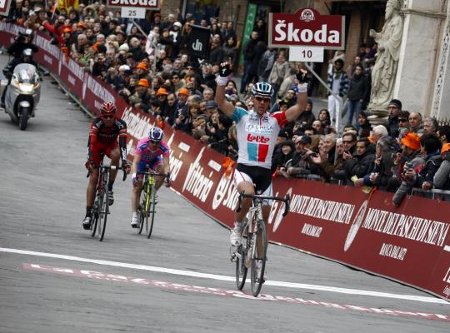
{"x": 260, "y": 177}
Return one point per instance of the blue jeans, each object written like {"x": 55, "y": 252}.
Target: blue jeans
{"x": 354, "y": 109}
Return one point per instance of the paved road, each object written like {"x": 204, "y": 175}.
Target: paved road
{"x": 55, "y": 278}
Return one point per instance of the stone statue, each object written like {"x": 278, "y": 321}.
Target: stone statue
{"x": 386, "y": 64}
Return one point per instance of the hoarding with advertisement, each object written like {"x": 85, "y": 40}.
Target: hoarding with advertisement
{"x": 147, "y": 4}
{"x": 4, "y": 7}
{"x": 410, "y": 243}
{"x": 307, "y": 27}
{"x": 199, "y": 42}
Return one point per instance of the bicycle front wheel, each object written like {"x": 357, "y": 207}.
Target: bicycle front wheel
{"x": 94, "y": 220}
{"x": 103, "y": 215}
{"x": 141, "y": 215}
{"x": 258, "y": 265}
{"x": 151, "y": 211}
{"x": 241, "y": 269}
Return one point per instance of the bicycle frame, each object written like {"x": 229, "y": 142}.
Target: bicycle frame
{"x": 147, "y": 209}
{"x": 252, "y": 254}
{"x": 100, "y": 210}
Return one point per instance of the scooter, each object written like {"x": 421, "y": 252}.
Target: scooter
{"x": 22, "y": 94}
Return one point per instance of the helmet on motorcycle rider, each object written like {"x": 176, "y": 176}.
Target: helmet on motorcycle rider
{"x": 108, "y": 110}
{"x": 156, "y": 134}
{"x": 28, "y": 33}
{"x": 27, "y": 55}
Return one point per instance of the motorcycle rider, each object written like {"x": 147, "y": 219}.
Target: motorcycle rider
{"x": 26, "y": 57}
{"x": 23, "y": 41}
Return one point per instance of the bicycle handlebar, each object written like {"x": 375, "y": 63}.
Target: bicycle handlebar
{"x": 286, "y": 200}
{"x": 153, "y": 173}
{"x": 111, "y": 167}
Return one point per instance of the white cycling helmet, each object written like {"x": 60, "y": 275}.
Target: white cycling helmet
{"x": 155, "y": 134}
{"x": 262, "y": 89}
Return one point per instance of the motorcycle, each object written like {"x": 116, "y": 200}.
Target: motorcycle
{"x": 22, "y": 94}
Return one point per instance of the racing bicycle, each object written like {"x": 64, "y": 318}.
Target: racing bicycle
{"x": 252, "y": 252}
{"x": 100, "y": 210}
{"x": 147, "y": 207}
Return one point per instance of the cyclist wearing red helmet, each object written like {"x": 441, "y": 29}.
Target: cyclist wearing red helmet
{"x": 107, "y": 136}
{"x": 150, "y": 152}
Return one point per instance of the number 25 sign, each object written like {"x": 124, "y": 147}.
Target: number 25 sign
{"x": 306, "y": 27}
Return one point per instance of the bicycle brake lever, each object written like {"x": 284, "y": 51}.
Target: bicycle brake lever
{"x": 287, "y": 203}
{"x": 238, "y": 209}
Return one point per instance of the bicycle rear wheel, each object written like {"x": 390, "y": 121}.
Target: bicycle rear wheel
{"x": 257, "y": 279}
{"x": 103, "y": 215}
{"x": 151, "y": 211}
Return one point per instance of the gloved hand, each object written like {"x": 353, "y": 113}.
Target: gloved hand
{"x": 126, "y": 167}
{"x": 224, "y": 69}
{"x": 301, "y": 76}
{"x": 167, "y": 181}
{"x": 134, "y": 179}
{"x": 89, "y": 164}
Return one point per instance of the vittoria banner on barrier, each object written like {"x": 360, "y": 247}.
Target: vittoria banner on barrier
{"x": 410, "y": 243}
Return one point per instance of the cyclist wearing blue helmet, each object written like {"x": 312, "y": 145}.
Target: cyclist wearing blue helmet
{"x": 257, "y": 131}
{"x": 150, "y": 152}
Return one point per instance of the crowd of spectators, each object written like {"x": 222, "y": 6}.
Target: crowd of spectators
{"x": 149, "y": 65}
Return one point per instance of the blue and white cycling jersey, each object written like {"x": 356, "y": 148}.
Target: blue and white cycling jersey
{"x": 257, "y": 136}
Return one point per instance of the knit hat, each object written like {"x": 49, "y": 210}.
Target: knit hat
{"x": 411, "y": 140}
{"x": 124, "y": 68}
{"x": 396, "y": 103}
{"x": 124, "y": 47}
{"x": 211, "y": 105}
{"x": 143, "y": 83}
{"x": 305, "y": 139}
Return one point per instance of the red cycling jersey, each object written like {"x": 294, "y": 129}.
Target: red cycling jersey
{"x": 103, "y": 139}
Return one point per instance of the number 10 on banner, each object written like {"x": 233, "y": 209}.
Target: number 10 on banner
{"x": 306, "y": 53}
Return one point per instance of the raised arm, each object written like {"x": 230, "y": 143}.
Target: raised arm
{"x": 226, "y": 107}
{"x": 302, "y": 99}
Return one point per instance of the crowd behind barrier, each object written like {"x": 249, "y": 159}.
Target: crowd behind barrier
{"x": 150, "y": 66}
{"x": 364, "y": 230}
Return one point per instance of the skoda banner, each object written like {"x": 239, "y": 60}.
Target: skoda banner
{"x": 199, "y": 43}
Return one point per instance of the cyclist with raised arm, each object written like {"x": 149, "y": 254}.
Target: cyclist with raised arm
{"x": 150, "y": 152}
{"x": 257, "y": 132}
{"x": 107, "y": 136}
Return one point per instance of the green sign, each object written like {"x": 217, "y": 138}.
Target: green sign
{"x": 249, "y": 23}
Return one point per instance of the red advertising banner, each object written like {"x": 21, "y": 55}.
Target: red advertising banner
{"x": 49, "y": 55}
{"x": 307, "y": 27}
{"x": 72, "y": 74}
{"x": 147, "y": 4}
{"x": 410, "y": 244}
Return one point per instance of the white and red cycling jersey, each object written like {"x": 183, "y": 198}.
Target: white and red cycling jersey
{"x": 257, "y": 136}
